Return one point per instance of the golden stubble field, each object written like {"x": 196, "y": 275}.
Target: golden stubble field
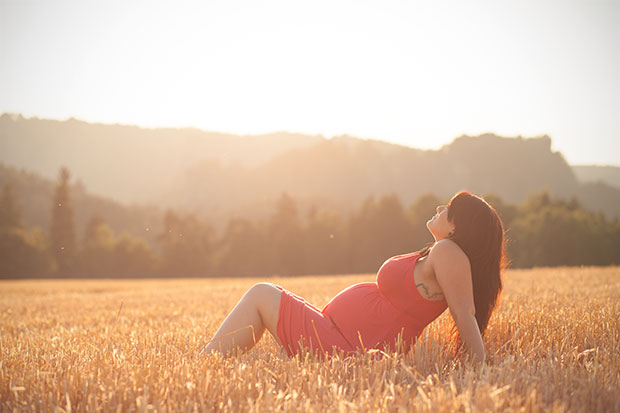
{"x": 553, "y": 345}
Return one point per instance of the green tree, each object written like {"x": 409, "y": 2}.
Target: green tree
{"x": 286, "y": 236}
{"x": 378, "y": 231}
{"x": 24, "y": 254}
{"x": 106, "y": 255}
{"x": 551, "y": 232}
{"x": 62, "y": 233}
{"x": 325, "y": 243}
{"x": 96, "y": 258}
{"x": 10, "y": 213}
{"x": 133, "y": 257}
{"x": 187, "y": 246}
{"x": 242, "y": 250}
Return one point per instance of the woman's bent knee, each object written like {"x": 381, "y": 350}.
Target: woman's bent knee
{"x": 266, "y": 297}
{"x": 264, "y": 289}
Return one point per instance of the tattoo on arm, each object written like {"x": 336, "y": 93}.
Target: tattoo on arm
{"x": 428, "y": 295}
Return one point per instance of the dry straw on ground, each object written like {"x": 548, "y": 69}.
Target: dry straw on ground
{"x": 553, "y": 344}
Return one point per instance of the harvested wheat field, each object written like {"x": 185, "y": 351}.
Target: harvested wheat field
{"x": 552, "y": 345}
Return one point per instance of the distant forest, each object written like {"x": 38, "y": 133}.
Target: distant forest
{"x": 190, "y": 203}
{"x": 543, "y": 230}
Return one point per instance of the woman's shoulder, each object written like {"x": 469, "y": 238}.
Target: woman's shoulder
{"x": 449, "y": 263}
{"x": 446, "y": 249}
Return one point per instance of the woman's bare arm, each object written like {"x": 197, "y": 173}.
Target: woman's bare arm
{"x": 453, "y": 273}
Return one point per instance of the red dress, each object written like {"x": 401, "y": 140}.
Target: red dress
{"x": 364, "y": 316}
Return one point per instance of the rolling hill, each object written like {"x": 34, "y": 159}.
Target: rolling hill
{"x": 218, "y": 175}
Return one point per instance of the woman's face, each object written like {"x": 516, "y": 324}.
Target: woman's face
{"x": 439, "y": 225}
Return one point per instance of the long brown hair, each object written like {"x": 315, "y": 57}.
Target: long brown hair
{"x": 479, "y": 231}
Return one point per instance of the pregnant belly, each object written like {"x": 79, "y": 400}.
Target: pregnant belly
{"x": 362, "y": 314}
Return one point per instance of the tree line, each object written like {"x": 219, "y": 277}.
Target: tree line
{"x": 541, "y": 231}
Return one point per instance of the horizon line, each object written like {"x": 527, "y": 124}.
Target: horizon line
{"x": 18, "y": 115}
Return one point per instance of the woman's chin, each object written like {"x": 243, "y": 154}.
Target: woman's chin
{"x": 431, "y": 231}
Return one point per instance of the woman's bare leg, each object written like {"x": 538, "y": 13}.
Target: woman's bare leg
{"x": 258, "y": 309}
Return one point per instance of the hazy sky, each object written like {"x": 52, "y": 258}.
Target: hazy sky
{"x": 410, "y": 72}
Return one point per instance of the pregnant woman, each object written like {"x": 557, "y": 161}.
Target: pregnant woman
{"x": 461, "y": 271}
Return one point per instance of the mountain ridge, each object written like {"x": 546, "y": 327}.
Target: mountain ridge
{"x": 223, "y": 174}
